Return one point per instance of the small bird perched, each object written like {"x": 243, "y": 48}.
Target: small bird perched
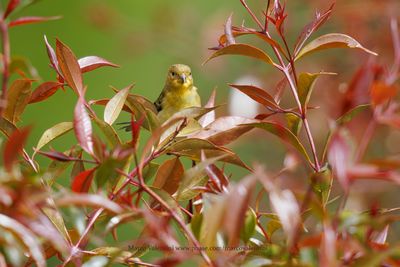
{"x": 178, "y": 93}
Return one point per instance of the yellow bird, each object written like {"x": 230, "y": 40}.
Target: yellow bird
{"x": 178, "y": 93}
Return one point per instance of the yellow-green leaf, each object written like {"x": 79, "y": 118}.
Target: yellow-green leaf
{"x": 242, "y": 50}
{"x": 192, "y": 148}
{"x": 18, "y": 97}
{"x": 115, "y": 105}
{"x": 306, "y": 82}
{"x": 331, "y": 40}
{"x": 54, "y": 132}
{"x": 109, "y": 131}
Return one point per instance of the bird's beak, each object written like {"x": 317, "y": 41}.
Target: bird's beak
{"x": 183, "y": 78}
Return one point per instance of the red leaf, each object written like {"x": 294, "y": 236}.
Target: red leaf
{"x": 257, "y": 94}
{"x": 135, "y": 126}
{"x": 210, "y": 116}
{"x": 339, "y": 156}
{"x": 93, "y": 62}
{"x": 83, "y": 127}
{"x": 52, "y": 56}
{"x": 243, "y": 50}
{"x": 310, "y": 28}
{"x": 82, "y": 181}
{"x": 44, "y": 91}
{"x": 30, "y": 20}
{"x": 12, "y": 4}
{"x": 69, "y": 67}
{"x": 14, "y": 146}
{"x": 55, "y": 155}
{"x": 380, "y": 92}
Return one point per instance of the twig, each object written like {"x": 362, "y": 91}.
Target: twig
{"x": 252, "y": 14}
{"x": 6, "y": 63}
{"x": 368, "y": 133}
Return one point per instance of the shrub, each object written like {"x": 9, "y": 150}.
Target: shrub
{"x": 176, "y": 213}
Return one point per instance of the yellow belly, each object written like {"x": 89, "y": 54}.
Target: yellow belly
{"x": 176, "y": 101}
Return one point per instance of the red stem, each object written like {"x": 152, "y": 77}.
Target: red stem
{"x": 6, "y": 63}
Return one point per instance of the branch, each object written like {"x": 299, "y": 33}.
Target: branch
{"x": 6, "y": 63}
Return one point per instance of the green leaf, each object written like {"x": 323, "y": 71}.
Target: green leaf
{"x": 152, "y": 120}
{"x": 106, "y": 173}
{"x": 108, "y": 131}
{"x": 332, "y": 40}
{"x": 249, "y": 226}
{"x": 294, "y": 123}
{"x": 272, "y": 226}
{"x": 195, "y": 224}
{"x": 345, "y": 118}
{"x": 214, "y": 209}
{"x": 323, "y": 184}
{"x": 243, "y": 50}
{"x": 18, "y": 97}
{"x": 284, "y": 134}
{"x": 192, "y": 148}
{"x": 349, "y": 115}
{"x": 56, "y": 218}
{"x": 194, "y": 177}
{"x": 306, "y": 83}
{"x": 115, "y": 105}
{"x": 150, "y": 170}
{"x": 142, "y": 107}
{"x": 53, "y": 133}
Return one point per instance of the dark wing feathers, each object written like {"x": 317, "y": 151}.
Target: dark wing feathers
{"x": 158, "y": 102}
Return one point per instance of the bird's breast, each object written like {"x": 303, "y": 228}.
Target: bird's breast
{"x": 175, "y": 100}
{"x": 180, "y": 100}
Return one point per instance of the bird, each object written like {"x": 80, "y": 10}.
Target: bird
{"x": 178, "y": 92}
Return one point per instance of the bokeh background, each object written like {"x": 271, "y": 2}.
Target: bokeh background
{"x": 145, "y": 37}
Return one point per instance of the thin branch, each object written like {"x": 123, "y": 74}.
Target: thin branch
{"x": 6, "y": 63}
{"x": 365, "y": 139}
{"x": 252, "y": 14}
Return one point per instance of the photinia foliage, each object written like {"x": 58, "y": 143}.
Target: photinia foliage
{"x": 197, "y": 214}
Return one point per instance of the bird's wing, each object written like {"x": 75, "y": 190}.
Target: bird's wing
{"x": 197, "y": 98}
{"x": 158, "y": 102}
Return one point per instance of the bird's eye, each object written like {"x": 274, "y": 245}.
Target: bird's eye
{"x": 173, "y": 73}
{"x": 190, "y": 73}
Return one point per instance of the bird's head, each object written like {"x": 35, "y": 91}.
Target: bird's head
{"x": 179, "y": 76}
